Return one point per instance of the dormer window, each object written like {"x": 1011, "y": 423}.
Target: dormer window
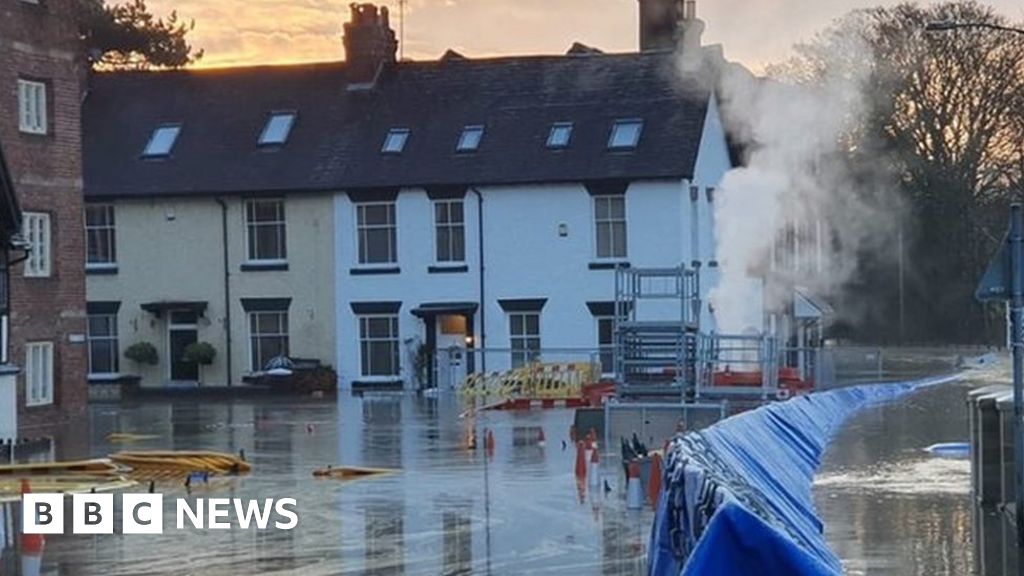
{"x": 277, "y": 129}
{"x": 625, "y": 134}
{"x": 161, "y": 142}
{"x": 394, "y": 142}
{"x": 560, "y": 135}
{"x": 470, "y": 139}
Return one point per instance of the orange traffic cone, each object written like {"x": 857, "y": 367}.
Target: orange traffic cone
{"x": 581, "y": 461}
{"x": 654, "y": 486}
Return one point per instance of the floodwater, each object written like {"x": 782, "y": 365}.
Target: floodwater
{"x": 888, "y": 506}
{"x": 448, "y": 510}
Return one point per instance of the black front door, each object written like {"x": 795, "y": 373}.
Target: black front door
{"x": 180, "y": 339}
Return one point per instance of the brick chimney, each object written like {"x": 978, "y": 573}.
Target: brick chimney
{"x": 668, "y": 24}
{"x": 370, "y": 43}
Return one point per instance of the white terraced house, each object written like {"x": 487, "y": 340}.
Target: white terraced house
{"x": 370, "y": 212}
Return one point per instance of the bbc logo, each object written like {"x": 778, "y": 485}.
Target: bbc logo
{"x": 92, "y": 513}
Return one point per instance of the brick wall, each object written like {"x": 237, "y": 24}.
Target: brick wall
{"x": 38, "y": 42}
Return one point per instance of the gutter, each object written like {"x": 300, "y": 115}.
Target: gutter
{"x": 227, "y": 288}
{"x": 483, "y": 302}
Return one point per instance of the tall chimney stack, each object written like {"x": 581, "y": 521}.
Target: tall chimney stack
{"x": 370, "y": 43}
{"x": 668, "y": 24}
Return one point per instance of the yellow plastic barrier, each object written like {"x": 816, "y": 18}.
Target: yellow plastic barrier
{"x": 541, "y": 381}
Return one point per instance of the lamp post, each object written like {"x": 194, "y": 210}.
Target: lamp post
{"x": 947, "y": 25}
{"x": 1011, "y": 261}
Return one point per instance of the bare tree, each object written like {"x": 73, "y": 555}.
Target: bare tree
{"x": 947, "y": 118}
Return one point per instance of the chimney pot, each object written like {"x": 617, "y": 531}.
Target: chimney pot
{"x": 370, "y": 43}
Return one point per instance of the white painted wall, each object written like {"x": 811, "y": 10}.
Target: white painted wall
{"x": 170, "y": 249}
{"x": 525, "y": 257}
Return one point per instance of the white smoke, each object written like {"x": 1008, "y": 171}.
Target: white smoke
{"x": 795, "y": 182}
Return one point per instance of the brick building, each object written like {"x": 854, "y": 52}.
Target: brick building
{"x": 41, "y": 75}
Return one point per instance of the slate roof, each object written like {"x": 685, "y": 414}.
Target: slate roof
{"x": 336, "y": 141}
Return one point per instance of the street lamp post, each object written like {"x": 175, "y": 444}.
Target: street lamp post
{"x": 1015, "y": 271}
{"x": 947, "y": 25}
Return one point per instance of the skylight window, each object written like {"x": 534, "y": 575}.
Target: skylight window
{"x": 625, "y": 134}
{"x": 278, "y": 127}
{"x": 561, "y": 133}
{"x": 394, "y": 142}
{"x": 470, "y": 139}
{"x": 162, "y": 140}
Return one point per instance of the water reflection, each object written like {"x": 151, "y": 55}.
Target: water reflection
{"x": 450, "y": 509}
{"x": 891, "y": 508}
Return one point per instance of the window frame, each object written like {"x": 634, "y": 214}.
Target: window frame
{"x": 112, "y": 337}
{"x": 256, "y": 337}
{"x": 522, "y": 354}
{"x": 109, "y": 229}
{"x": 39, "y": 103}
{"x": 362, "y": 251}
{"x": 555, "y": 128}
{"x": 292, "y": 116}
{"x": 147, "y": 153}
{"x": 621, "y": 124}
{"x": 452, "y": 227}
{"x": 46, "y": 354}
{"x": 252, "y": 228}
{"x": 462, "y": 146}
{"x": 38, "y": 251}
{"x": 365, "y": 341}
{"x": 610, "y": 222}
{"x": 395, "y": 133}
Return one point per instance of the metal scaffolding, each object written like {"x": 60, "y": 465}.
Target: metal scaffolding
{"x": 657, "y": 320}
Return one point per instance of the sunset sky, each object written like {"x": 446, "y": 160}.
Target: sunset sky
{"x": 754, "y": 32}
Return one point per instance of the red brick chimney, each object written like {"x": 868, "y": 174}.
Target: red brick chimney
{"x": 370, "y": 43}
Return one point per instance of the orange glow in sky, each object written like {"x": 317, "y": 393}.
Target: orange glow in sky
{"x": 755, "y": 32}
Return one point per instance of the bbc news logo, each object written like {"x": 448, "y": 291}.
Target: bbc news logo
{"x": 144, "y": 513}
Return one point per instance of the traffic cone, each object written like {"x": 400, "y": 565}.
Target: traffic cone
{"x": 31, "y": 545}
{"x": 654, "y": 487}
{"x": 581, "y": 461}
{"x": 634, "y": 491}
{"x": 595, "y": 468}
{"x": 541, "y": 441}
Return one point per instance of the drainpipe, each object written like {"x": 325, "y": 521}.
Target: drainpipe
{"x": 483, "y": 302}
{"x": 227, "y": 288}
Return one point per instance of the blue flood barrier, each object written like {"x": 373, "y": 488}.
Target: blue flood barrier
{"x": 737, "y": 496}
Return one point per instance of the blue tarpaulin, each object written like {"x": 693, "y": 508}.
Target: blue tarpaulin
{"x": 737, "y": 496}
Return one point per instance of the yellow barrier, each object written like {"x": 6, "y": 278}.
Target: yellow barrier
{"x": 541, "y": 381}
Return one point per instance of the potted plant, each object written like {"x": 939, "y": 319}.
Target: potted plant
{"x": 201, "y": 354}
{"x": 142, "y": 353}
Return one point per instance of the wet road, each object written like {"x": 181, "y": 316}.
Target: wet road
{"x": 448, "y": 511}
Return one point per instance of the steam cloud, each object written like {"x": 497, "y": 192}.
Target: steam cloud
{"x": 797, "y": 199}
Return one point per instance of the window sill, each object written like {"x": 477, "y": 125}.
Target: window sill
{"x": 268, "y": 266}
{"x": 608, "y": 265}
{"x": 39, "y": 405}
{"x": 374, "y": 271}
{"x": 447, "y": 269}
{"x": 100, "y": 269}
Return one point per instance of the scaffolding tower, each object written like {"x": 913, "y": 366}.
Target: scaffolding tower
{"x": 657, "y": 322}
